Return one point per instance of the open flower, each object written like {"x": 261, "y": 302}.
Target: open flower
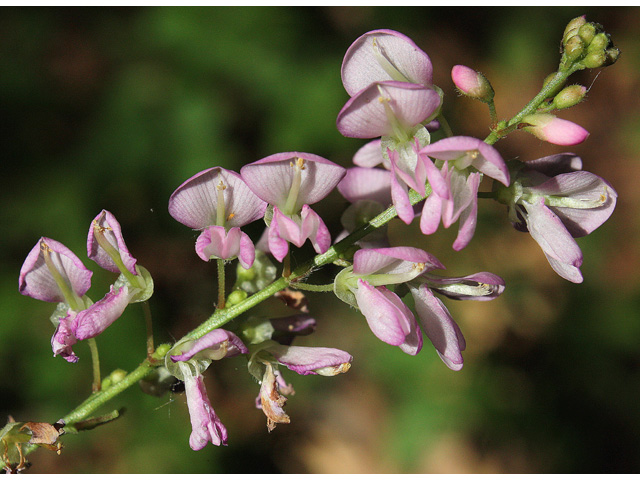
{"x": 556, "y": 202}
{"x": 53, "y": 273}
{"x": 193, "y": 358}
{"x": 363, "y": 286}
{"x": 464, "y": 160}
{"x": 218, "y": 202}
{"x": 292, "y": 181}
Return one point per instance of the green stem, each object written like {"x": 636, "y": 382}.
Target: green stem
{"x": 100, "y": 398}
{"x": 221, "y": 286}
{"x": 149, "y": 324}
{"x": 312, "y": 288}
{"x": 533, "y": 105}
{"x": 95, "y": 360}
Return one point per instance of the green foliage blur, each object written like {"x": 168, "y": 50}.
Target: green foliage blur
{"x": 115, "y": 107}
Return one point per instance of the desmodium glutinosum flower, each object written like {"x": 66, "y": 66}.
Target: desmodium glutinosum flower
{"x": 290, "y": 182}
{"x": 218, "y": 202}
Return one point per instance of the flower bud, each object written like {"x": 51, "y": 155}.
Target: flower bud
{"x": 587, "y": 32}
{"x": 599, "y": 42}
{"x": 569, "y": 96}
{"x": 472, "y": 83}
{"x": 573, "y": 27}
{"x": 574, "y": 48}
{"x": 595, "y": 59}
{"x": 554, "y": 130}
{"x": 612, "y": 55}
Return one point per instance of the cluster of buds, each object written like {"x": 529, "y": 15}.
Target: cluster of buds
{"x": 587, "y": 44}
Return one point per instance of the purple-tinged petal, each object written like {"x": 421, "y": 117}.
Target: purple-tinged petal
{"x": 389, "y": 319}
{"x": 556, "y": 164}
{"x": 312, "y": 360}
{"x": 216, "y": 242}
{"x": 106, "y": 225}
{"x": 464, "y": 191}
{"x": 480, "y": 286}
{"x": 63, "y": 338}
{"x": 271, "y": 178}
{"x": 437, "y": 324}
{"x": 562, "y": 251}
{"x": 366, "y": 184}
{"x": 394, "y": 261}
{"x": 195, "y": 202}
{"x": 555, "y": 130}
{"x": 95, "y": 319}
{"x": 36, "y": 280}
{"x": 216, "y": 344}
{"x": 284, "y": 229}
{"x": 469, "y": 216}
{"x": 382, "y": 55}
{"x": 314, "y": 228}
{"x": 287, "y": 328}
{"x": 431, "y": 214}
{"x": 374, "y": 110}
{"x": 400, "y": 197}
{"x": 205, "y": 425}
{"x": 468, "y": 150}
{"x": 369, "y": 155}
{"x": 438, "y": 183}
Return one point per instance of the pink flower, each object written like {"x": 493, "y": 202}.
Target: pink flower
{"x": 292, "y": 181}
{"x": 218, "y": 202}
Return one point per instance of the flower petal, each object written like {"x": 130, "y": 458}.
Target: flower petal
{"x": 107, "y": 226}
{"x": 374, "y": 56}
{"x": 271, "y": 178}
{"x": 437, "y": 324}
{"x": 365, "y": 115}
{"x": 205, "y": 425}
{"x": 95, "y": 319}
{"x": 195, "y": 202}
{"x": 312, "y": 360}
{"x": 216, "y": 344}
{"x": 36, "y": 280}
{"x": 361, "y": 183}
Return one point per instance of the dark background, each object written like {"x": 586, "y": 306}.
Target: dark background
{"x": 114, "y": 108}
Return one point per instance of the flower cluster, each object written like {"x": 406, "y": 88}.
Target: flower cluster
{"x": 53, "y": 273}
{"x": 395, "y": 105}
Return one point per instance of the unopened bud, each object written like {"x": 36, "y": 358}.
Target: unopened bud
{"x": 587, "y": 32}
{"x": 599, "y": 42}
{"x": 554, "y": 130}
{"x": 236, "y": 297}
{"x": 595, "y": 59}
{"x": 569, "y": 96}
{"x": 572, "y": 28}
{"x": 574, "y": 48}
{"x": 472, "y": 83}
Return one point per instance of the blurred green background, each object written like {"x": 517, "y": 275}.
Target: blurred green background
{"x": 115, "y": 107}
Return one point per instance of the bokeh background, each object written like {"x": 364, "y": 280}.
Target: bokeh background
{"x": 115, "y": 107}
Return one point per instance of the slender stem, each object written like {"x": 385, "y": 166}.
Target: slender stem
{"x": 95, "y": 360}
{"x": 312, "y": 288}
{"x": 97, "y": 400}
{"x": 286, "y": 265}
{"x": 445, "y": 125}
{"x": 149, "y": 324}
{"x": 221, "y": 286}
{"x": 533, "y": 105}
{"x": 492, "y": 112}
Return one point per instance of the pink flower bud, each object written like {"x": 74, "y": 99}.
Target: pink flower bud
{"x": 472, "y": 83}
{"x": 555, "y": 130}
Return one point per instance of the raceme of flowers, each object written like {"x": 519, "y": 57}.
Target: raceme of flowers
{"x": 394, "y": 104}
